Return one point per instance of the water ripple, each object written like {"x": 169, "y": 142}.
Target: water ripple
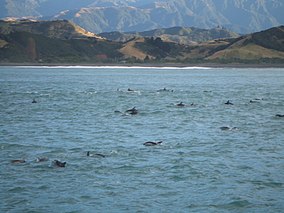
{"x": 198, "y": 167}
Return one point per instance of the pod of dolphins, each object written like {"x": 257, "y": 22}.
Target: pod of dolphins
{"x": 133, "y": 111}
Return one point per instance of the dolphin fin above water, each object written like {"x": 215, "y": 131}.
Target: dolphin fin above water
{"x": 152, "y": 143}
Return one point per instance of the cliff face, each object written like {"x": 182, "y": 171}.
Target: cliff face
{"x": 242, "y": 16}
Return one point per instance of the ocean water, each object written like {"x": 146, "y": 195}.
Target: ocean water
{"x": 198, "y": 168}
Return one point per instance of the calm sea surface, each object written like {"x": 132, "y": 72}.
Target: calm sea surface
{"x": 198, "y": 167}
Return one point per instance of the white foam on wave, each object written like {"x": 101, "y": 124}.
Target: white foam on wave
{"x": 116, "y": 67}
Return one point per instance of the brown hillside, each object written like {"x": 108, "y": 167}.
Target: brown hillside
{"x": 61, "y": 29}
{"x": 130, "y": 51}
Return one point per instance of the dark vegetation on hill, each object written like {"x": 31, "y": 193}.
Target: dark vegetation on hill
{"x": 158, "y": 49}
{"x": 271, "y": 39}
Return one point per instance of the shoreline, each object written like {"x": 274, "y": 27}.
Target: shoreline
{"x": 141, "y": 65}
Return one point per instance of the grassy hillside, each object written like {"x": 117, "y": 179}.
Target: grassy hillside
{"x": 63, "y": 42}
{"x": 53, "y": 29}
{"x": 53, "y": 42}
{"x": 262, "y": 47}
{"x": 181, "y": 35}
{"x": 271, "y": 39}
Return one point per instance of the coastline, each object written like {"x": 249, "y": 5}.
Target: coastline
{"x": 144, "y": 65}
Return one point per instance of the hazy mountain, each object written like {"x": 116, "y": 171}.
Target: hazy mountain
{"x": 242, "y": 16}
{"x": 38, "y": 8}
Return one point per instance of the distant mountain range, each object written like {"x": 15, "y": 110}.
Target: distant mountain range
{"x": 242, "y": 16}
{"x": 62, "y": 42}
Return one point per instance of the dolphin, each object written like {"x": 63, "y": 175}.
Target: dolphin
{"x": 18, "y": 161}
{"x": 94, "y": 155}
{"x": 152, "y": 143}
{"x": 229, "y": 103}
{"x": 59, "y": 164}
{"x": 132, "y": 111}
{"x": 180, "y": 104}
{"x": 41, "y": 159}
{"x": 225, "y": 128}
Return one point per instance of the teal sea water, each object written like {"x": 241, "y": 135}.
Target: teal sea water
{"x": 198, "y": 168}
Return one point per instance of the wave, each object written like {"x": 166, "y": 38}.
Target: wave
{"x": 117, "y": 67}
